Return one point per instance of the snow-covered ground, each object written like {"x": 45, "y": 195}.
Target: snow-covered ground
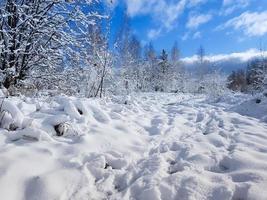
{"x": 156, "y": 146}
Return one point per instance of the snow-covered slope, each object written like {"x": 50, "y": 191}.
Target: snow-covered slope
{"x": 156, "y": 146}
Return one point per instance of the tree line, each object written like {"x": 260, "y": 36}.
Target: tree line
{"x": 67, "y": 47}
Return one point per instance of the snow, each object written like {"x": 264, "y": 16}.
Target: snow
{"x": 7, "y": 107}
{"x": 152, "y": 147}
{"x": 253, "y": 108}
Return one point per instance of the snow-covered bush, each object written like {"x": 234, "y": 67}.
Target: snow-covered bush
{"x": 11, "y": 117}
{"x": 215, "y": 84}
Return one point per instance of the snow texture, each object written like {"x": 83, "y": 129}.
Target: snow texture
{"x": 155, "y": 147}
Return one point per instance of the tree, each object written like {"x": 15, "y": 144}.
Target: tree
{"x": 135, "y": 48}
{"x": 99, "y": 58}
{"x": 149, "y": 53}
{"x": 163, "y": 62}
{"x": 201, "y": 54}
{"x": 237, "y": 81}
{"x": 255, "y": 74}
{"x": 150, "y": 63}
{"x": 202, "y": 66}
{"x": 125, "y": 56}
{"x": 178, "y": 82}
{"x": 136, "y": 70}
{"x": 175, "y": 53}
{"x": 122, "y": 41}
{"x": 39, "y": 36}
{"x": 162, "y": 76}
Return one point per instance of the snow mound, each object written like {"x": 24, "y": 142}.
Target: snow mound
{"x": 255, "y": 107}
{"x": 15, "y": 116}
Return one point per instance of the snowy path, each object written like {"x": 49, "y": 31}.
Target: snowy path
{"x": 156, "y": 147}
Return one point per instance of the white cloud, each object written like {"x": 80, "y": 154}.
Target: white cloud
{"x": 153, "y": 33}
{"x": 165, "y": 13}
{"x": 229, "y": 6}
{"x": 229, "y": 2}
{"x": 197, "y": 35}
{"x": 185, "y": 36}
{"x": 191, "y": 35}
{"x": 137, "y": 7}
{"x": 240, "y": 57}
{"x": 232, "y": 2}
{"x": 196, "y": 2}
{"x": 251, "y": 23}
{"x": 196, "y": 20}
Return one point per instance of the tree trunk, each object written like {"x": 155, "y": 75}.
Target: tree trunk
{"x": 9, "y": 81}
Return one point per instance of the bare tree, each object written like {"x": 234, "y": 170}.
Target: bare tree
{"x": 201, "y": 54}
{"x": 175, "y": 53}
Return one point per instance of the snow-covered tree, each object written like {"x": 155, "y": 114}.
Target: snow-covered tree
{"x": 215, "y": 84}
{"x": 163, "y": 74}
{"x": 178, "y": 81}
{"x": 38, "y": 37}
{"x": 129, "y": 59}
{"x": 202, "y": 66}
{"x": 175, "y": 53}
{"x": 99, "y": 58}
{"x": 236, "y": 81}
{"x": 255, "y": 75}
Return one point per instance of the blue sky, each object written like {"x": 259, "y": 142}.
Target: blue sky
{"x": 221, "y": 26}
